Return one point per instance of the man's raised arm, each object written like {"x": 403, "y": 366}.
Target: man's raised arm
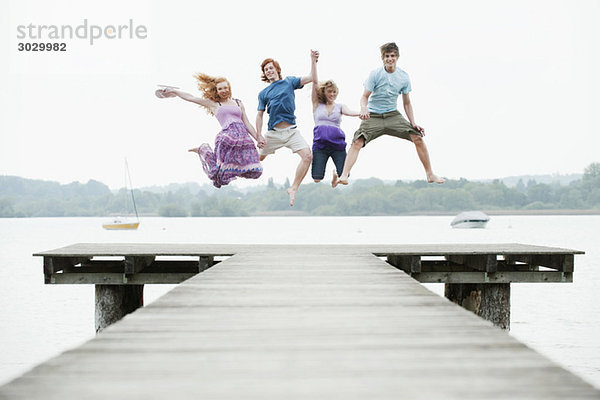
{"x": 314, "y": 57}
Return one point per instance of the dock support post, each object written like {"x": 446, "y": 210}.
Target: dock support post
{"x": 490, "y": 301}
{"x": 113, "y": 302}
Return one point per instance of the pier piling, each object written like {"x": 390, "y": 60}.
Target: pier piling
{"x": 490, "y": 301}
{"x": 113, "y": 302}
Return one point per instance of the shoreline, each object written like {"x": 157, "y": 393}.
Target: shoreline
{"x": 410, "y": 214}
{"x": 514, "y": 212}
{"x": 433, "y": 213}
{"x": 294, "y": 213}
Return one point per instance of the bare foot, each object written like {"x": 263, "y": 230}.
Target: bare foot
{"x": 342, "y": 181}
{"x": 334, "y": 181}
{"x": 292, "y": 193}
{"x": 194, "y": 150}
{"x": 433, "y": 178}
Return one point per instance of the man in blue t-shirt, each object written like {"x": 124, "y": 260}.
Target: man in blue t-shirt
{"x": 380, "y": 115}
{"x": 279, "y": 101}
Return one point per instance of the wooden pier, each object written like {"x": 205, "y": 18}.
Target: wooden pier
{"x": 303, "y": 322}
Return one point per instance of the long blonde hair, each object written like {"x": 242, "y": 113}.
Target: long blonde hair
{"x": 321, "y": 90}
{"x": 208, "y": 86}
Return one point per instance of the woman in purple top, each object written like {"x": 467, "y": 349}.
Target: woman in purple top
{"x": 329, "y": 140}
{"x": 235, "y": 154}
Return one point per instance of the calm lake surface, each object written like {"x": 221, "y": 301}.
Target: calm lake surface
{"x": 37, "y": 321}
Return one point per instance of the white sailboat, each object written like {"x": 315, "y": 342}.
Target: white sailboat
{"x": 120, "y": 223}
{"x": 124, "y": 223}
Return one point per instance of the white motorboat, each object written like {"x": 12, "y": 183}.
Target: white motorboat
{"x": 470, "y": 219}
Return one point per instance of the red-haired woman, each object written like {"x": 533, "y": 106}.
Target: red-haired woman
{"x": 235, "y": 154}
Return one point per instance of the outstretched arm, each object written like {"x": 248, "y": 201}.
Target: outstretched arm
{"x": 259, "y": 139}
{"x": 314, "y": 57}
{"x": 192, "y": 99}
{"x": 409, "y": 113}
{"x": 349, "y": 112}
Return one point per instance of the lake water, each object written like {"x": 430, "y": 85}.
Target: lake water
{"x": 37, "y": 321}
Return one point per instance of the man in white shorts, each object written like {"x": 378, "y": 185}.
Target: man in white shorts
{"x": 279, "y": 101}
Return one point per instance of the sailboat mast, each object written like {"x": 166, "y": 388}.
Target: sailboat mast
{"x": 131, "y": 186}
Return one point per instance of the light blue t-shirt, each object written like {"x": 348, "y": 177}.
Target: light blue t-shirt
{"x": 385, "y": 88}
{"x": 279, "y": 100}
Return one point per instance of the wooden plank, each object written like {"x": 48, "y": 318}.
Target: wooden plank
{"x": 48, "y": 269}
{"x": 135, "y": 264}
{"x": 205, "y": 262}
{"x": 152, "y": 249}
{"x": 497, "y": 277}
{"x": 55, "y": 264}
{"x": 482, "y": 262}
{"x": 407, "y": 263}
{"x": 145, "y": 249}
{"x": 407, "y": 257}
{"x": 118, "y": 266}
{"x": 446, "y": 266}
{"x": 107, "y": 278}
{"x": 504, "y": 266}
{"x": 559, "y": 262}
{"x": 466, "y": 248}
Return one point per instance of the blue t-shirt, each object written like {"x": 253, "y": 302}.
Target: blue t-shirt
{"x": 279, "y": 100}
{"x": 385, "y": 88}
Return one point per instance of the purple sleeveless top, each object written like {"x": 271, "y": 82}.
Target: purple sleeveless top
{"x": 226, "y": 115}
{"x": 322, "y": 118}
{"x": 327, "y": 132}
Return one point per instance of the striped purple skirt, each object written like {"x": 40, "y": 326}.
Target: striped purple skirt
{"x": 234, "y": 155}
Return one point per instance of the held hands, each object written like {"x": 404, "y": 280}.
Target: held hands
{"x": 261, "y": 142}
{"x": 364, "y": 114}
{"x": 314, "y": 55}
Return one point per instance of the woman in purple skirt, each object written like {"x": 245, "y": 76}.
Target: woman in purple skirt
{"x": 235, "y": 154}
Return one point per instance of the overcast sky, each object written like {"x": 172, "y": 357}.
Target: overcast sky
{"x": 501, "y": 87}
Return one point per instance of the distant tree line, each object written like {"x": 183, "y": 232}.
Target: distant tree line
{"x": 21, "y": 197}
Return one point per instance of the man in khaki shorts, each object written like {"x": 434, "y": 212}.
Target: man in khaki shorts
{"x": 279, "y": 102}
{"x": 378, "y": 110}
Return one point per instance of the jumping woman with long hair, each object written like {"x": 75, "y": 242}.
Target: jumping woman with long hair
{"x": 235, "y": 153}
